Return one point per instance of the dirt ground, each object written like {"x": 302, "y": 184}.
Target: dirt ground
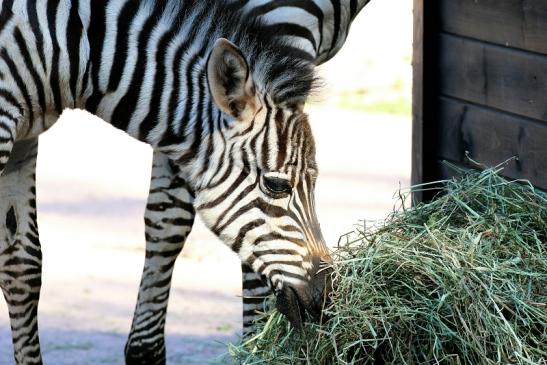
{"x": 91, "y": 202}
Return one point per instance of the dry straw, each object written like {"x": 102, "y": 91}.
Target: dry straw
{"x": 460, "y": 280}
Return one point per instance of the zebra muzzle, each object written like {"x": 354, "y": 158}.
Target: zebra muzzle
{"x": 289, "y": 304}
{"x": 294, "y": 302}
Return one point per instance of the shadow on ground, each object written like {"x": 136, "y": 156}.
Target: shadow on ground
{"x": 60, "y": 347}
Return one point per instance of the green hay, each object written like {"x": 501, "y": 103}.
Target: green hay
{"x": 461, "y": 280}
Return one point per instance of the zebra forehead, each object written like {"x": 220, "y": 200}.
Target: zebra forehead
{"x": 301, "y": 146}
{"x": 307, "y": 147}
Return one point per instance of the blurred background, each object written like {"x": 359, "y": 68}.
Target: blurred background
{"x": 91, "y": 203}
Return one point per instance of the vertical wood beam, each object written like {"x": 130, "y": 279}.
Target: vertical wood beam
{"x": 424, "y": 96}
{"x": 417, "y": 99}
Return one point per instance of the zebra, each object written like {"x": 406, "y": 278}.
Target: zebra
{"x": 317, "y": 29}
{"x": 217, "y": 96}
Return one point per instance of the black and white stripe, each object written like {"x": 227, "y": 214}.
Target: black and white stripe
{"x": 232, "y": 135}
{"x": 318, "y": 28}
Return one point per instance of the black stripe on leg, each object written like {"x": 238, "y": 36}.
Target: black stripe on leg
{"x": 11, "y": 221}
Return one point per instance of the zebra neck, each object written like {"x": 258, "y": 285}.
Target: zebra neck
{"x": 147, "y": 62}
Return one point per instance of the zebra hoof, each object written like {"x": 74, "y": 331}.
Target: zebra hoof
{"x": 145, "y": 354}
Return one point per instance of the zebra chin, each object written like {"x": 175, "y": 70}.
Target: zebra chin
{"x": 294, "y": 301}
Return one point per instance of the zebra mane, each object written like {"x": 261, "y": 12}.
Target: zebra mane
{"x": 279, "y": 69}
{"x": 276, "y": 67}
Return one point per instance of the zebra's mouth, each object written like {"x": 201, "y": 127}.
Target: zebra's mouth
{"x": 290, "y": 305}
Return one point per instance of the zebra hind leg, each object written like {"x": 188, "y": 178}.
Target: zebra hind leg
{"x": 20, "y": 253}
{"x": 255, "y": 298}
{"x": 169, "y": 217}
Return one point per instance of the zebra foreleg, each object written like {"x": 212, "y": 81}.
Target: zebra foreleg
{"x": 20, "y": 253}
{"x": 255, "y": 298}
{"x": 169, "y": 217}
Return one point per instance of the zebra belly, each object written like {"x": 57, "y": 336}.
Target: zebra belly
{"x": 40, "y": 124}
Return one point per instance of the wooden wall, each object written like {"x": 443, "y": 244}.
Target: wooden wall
{"x": 480, "y": 87}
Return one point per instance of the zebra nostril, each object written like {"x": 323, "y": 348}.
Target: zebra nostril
{"x": 321, "y": 287}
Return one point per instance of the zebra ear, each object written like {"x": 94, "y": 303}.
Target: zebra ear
{"x": 230, "y": 81}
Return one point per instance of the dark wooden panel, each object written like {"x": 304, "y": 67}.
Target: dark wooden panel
{"x": 510, "y": 80}
{"x": 491, "y": 137}
{"x": 513, "y": 23}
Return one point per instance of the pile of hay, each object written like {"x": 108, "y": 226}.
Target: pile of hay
{"x": 461, "y": 280}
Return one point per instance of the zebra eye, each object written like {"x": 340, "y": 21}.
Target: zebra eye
{"x": 277, "y": 185}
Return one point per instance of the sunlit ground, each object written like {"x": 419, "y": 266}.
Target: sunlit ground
{"x": 92, "y": 188}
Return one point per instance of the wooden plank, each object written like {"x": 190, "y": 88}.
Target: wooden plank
{"x": 424, "y": 90}
{"x": 417, "y": 99}
{"x": 501, "y": 78}
{"x": 514, "y": 23}
{"x": 492, "y": 137}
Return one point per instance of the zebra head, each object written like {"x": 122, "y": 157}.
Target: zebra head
{"x": 257, "y": 191}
